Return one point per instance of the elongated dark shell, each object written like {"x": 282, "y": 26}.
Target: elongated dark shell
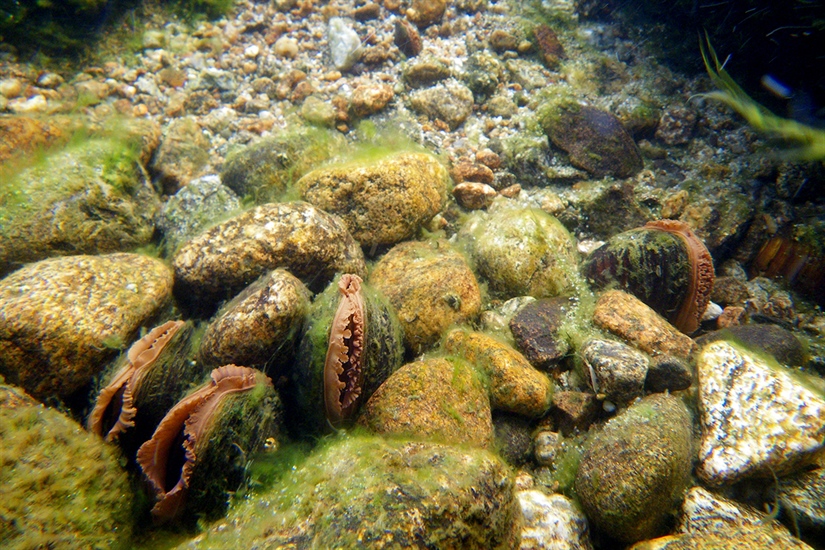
{"x": 199, "y": 451}
{"x": 352, "y": 342}
{"x": 154, "y": 374}
{"x": 664, "y": 264}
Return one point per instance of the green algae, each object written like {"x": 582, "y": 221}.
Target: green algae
{"x": 59, "y": 486}
{"x": 364, "y": 491}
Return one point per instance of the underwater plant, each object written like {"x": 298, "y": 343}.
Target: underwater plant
{"x": 809, "y": 142}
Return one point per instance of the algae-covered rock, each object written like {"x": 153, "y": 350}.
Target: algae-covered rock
{"x": 633, "y": 472}
{"x": 595, "y": 140}
{"x": 265, "y": 169}
{"x": 515, "y": 385}
{"x": 60, "y": 487}
{"x": 309, "y": 243}
{"x": 366, "y": 492}
{"x": 260, "y": 326}
{"x": 182, "y": 155}
{"x": 443, "y": 399}
{"x": 521, "y": 251}
{"x": 62, "y": 319}
{"x": 93, "y": 197}
{"x": 431, "y": 286}
{"x": 351, "y": 343}
{"x": 449, "y": 102}
{"x": 382, "y": 201}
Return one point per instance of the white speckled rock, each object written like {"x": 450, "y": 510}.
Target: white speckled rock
{"x": 551, "y": 522}
{"x": 756, "y": 418}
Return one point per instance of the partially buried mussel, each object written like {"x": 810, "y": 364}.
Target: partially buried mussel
{"x": 199, "y": 451}
{"x": 352, "y": 342}
{"x": 664, "y": 264}
{"x": 147, "y": 381}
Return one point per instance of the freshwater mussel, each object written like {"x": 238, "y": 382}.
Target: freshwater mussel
{"x": 199, "y": 452}
{"x": 144, "y": 384}
{"x": 664, "y": 264}
{"x": 352, "y": 342}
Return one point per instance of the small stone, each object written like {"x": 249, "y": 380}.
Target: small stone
{"x": 782, "y": 344}
{"x": 34, "y": 104}
{"x": 488, "y": 158}
{"x": 546, "y": 447}
{"x": 634, "y": 471}
{"x": 470, "y": 171}
{"x": 318, "y": 112}
{"x": 11, "y": 87}
{"x": 501, "y": 105}
{"x": 344, "y": 44}
{"x": 441, "y": 399}
{"x": 172, "y": 77}
{"x": 426, "y": 12}
{"x": 193, "y": 208}
{"x": 574, "y": 411}
{"x": 736, "y": 387}
{"x": 552, "y": 522}
{"x": 676, "y": 125}
{"x": 802, "y": 496}
{"x": 732, "y": 316}
{"x": 668, "y": 373}
{"x": 425, "y": 71}
{"x": 368, "y": 11}
{"x": 182, "y": 155}
{"x": 549, "y": 46}
{"x": 473, "y": 195}
{"x": 368, "y": 99}
{"x": 153, "y": 40}
{"x": 286, "y": 47}
{"x": 407, "y": 38}
{"x": 535, "y": 331}
{"x": 501, "y": 40}
{"x": 482, "y": 73}
{"x": 628, "y": 317}
{"x": 616, "y": 370}
{"x": 515, "y": 386}
{"x": 49, "y": 80}
{"x": 513, "y": 438}
{"x": 451, "y": 103}
{"x": 729, "y": 291}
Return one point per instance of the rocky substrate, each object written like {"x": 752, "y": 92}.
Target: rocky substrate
{"x": 402, "y": 274}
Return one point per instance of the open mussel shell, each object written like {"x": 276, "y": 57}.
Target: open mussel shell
{"x": 144, "y": 385}
{"x": 200, "y": 450}
{"x": 664, "y": 264}
{"x": 352, "y": 342}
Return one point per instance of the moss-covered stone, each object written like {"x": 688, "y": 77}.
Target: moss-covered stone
{"x": 91, "y": 197}
{"x": 431, "y": 286}
{"x": 595, "y": 140}
{"x": 515, "y": 386}
{"x": 311, "y": 244}
{"x": 382, "y": 200}
{"x": 266, "y": 169}
{"x": 365, "y": 492}
{"x": 441, "y": 399}
{"x": 521, "y": 251}
{"x": 61, "y": 319}
{"x": 60, "y": 487}
{"x": 634, "y": 471}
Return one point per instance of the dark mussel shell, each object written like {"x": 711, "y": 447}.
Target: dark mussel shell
{"x": 664, "y": 264}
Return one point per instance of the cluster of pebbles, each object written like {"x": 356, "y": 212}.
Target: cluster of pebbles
{"x": 363, "y": 231}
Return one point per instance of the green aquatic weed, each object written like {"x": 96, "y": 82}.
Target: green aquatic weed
{"x": 808, "y": 142}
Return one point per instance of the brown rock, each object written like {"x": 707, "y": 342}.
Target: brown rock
{"x": 61, "y": 319}
{"x": 182, "y": 155}
{"x": 535, "y": 330}
{"x": 370, "y": 98}
{"x": 574, "y": 411}
{"x": 488, "y": 158}
{"x": 732, "y": 316}
{"x": 407, "y": 38}
{"x": 439, "y": 398}
{"x": 431, "y": 286}
{"x": 471, "y": 171}
{"x": 628, "y": 317}
{"x": 515, "y": 386}
{"x": 501, "y": 40}
{"x": 474, "y": 196}
{"x": 426, "y": 12}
